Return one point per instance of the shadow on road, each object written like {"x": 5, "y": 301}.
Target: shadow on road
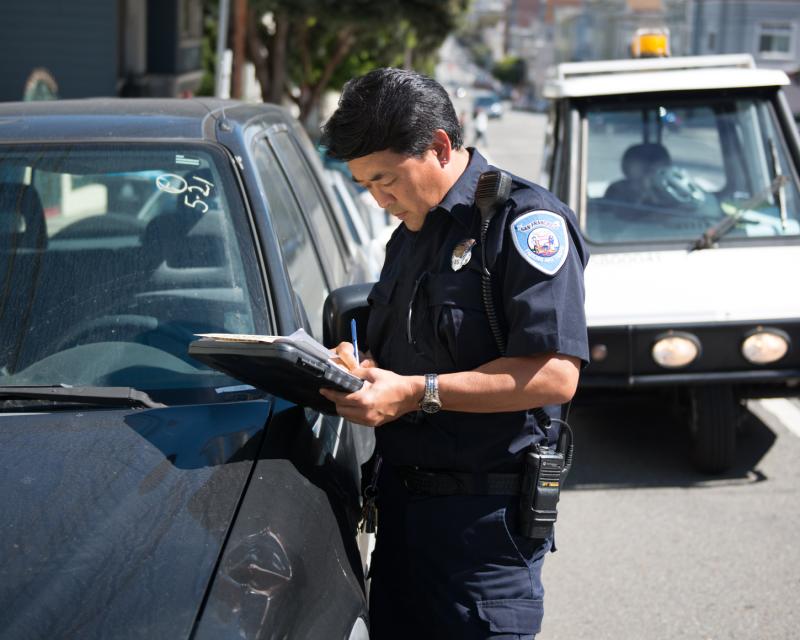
{"x": 637, "y": 443}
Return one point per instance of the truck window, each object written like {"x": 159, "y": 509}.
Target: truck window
{"x": 667, "y": 170}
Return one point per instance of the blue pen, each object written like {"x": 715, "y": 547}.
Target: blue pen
{"x": 355, "y": 340}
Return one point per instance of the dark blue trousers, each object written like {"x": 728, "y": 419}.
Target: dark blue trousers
{"x": 452, "y": 567}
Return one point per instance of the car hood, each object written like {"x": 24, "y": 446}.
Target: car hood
{"x": 663, "y": 287}
{"x": 113, "y": 521}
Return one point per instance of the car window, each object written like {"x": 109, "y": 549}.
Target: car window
{"x": 297, "y": 245}
{"x": 113, "y": 258}
{"x": 669, "y": 168}
{"x": 308, "y": 193}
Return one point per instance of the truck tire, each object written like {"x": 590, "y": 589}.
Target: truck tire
{"x": 713, "y": 428}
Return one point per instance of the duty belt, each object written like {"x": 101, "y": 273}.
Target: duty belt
{"x": 453, "y": 483}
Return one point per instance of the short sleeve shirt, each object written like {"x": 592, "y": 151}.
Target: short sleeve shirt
{"x": 428, "y": 315}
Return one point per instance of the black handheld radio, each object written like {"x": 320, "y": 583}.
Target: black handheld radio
{"x": 546, "y": 467}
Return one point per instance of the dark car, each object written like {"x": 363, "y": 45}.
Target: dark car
{"x": 144, "y": 494}
{"x": 490, "y": 103}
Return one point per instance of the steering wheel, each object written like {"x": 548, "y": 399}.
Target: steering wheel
{"x": 120, "y": 328}
{"x": 673, "y": 186}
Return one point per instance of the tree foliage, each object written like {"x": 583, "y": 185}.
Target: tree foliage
{"x": 511, "y": 70}
{"x": 300, "y": 48}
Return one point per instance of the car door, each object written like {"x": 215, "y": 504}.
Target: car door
{"x": 338, "y": 253}
{"x": 306, "y": 267}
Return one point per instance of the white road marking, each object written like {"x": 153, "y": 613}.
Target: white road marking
{"x": 787, "y": 411}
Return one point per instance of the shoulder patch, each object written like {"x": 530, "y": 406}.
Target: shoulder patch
{"x": 540, "y": 237}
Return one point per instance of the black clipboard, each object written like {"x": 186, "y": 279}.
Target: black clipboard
{"x": 280, "y": 368}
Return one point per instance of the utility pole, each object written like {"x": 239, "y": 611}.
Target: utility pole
{"x": 239, "y": 32}
{"x": 222, "y": 75}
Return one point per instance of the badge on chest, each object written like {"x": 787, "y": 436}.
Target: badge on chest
{"x": 462, "y": 254}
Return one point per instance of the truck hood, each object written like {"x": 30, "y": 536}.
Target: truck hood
{"x": 665, "y": 287}
{"x": 113, "y": 520}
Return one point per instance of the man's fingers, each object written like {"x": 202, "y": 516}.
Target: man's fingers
{"x": 341, "y": 398}
{"x": 345, "y": 352}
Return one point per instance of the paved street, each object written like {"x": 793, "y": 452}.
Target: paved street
{"x": 648, "y": 548}
{"x": 515, "y": 141}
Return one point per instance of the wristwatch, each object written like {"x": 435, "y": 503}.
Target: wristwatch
{"x": 430, "y": 402}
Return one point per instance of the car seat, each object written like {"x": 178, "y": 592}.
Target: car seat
{"x": 23, "y": 236}
{"x": 21, "y": 217}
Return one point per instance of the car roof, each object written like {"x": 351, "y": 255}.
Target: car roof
{"x": 691, "y": 73}
{"x": 126, "y": 118}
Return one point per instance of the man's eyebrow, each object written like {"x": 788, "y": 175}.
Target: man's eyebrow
{"x": 375, "y": 178}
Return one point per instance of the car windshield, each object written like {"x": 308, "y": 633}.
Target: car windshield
{"x": 669, "y": 169}
{"x": 112, "y": 258}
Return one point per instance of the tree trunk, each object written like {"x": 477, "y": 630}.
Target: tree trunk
{"x": 258, "y": 52}
{"x": 313, "y": 93}
{"x": 239, "y": 29}
{"x": 277, "y": 58}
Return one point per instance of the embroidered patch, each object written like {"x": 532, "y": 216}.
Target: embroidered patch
{"x": 541, "y": 238}
{"x": 462, "y": 254}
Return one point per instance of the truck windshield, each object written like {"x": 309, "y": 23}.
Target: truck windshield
{"x": 668, "y": 169}
{"x": 112, "y": 258}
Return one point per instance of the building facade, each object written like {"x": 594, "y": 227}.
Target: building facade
{"x": 546, "y": 32}
{"x": 52, "y": 48}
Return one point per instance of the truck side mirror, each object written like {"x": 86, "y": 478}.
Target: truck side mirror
{"x": 341, "y": 306}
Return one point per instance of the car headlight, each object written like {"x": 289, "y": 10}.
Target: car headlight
{"x": 673, "y": 350}
{"x": 763, "y": 346}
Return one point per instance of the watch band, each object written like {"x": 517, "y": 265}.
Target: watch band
{"x": 430, "y": 402}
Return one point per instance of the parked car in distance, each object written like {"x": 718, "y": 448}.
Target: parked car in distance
{"x": 361, "y": 222}
{"x": 684, "y": 175}
{"x": 490, "y": 103}
{"x": 145, "y": 494}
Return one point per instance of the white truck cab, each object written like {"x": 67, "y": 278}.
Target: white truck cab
{"x": 684, "y": 175}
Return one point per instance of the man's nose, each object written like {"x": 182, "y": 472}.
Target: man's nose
{"x": 383, "y": 198}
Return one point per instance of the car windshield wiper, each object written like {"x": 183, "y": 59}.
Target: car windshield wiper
{"x": 101, "y": 396}
{"x": 716, "y": 231}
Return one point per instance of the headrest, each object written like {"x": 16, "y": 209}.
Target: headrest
{"x": 21, "y": 216}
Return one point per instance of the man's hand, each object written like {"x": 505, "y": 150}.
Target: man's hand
{"x": 344, "y": 351}
{"x": 384, "y": 397}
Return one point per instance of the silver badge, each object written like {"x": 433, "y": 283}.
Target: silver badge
{"x": 462, "y": 254}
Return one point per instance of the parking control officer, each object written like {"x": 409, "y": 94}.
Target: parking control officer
{"x": 454, "y": 415}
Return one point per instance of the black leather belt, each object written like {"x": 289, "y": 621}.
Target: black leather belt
{"x": 452, "y": 483}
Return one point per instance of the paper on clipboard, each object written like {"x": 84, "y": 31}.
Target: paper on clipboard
{"x": 299, "y": 339}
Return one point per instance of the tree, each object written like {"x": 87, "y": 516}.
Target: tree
{"x": 511, "y": 70}
{"x": 332, "y": 40}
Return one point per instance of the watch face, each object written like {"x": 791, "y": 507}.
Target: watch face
{"x": 430, "y": 407}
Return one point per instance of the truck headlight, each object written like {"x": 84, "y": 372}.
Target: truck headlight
{"x": 675, "y": 349}
{"x": 763, "y": 345}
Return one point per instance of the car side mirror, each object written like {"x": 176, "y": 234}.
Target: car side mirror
{"x": 341, "y": 306}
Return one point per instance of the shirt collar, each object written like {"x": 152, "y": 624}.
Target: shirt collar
{"x": 459, "y": 201}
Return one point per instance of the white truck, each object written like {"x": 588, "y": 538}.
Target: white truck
{"x": 684, "y": 175}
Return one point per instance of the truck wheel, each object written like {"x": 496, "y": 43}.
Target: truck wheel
{"x": 713, "y": 428}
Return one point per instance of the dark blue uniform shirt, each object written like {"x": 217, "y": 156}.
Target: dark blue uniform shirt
{"x": 427, "y": 317}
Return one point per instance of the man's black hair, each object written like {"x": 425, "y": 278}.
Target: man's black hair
{"x": 390, "y": 109}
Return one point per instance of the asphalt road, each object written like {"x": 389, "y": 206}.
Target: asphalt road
{"x": 514, "y": 142}
{"x": 649, "y": 548}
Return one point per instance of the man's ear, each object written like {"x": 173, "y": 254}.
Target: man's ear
{"x": 441, "y": 147}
